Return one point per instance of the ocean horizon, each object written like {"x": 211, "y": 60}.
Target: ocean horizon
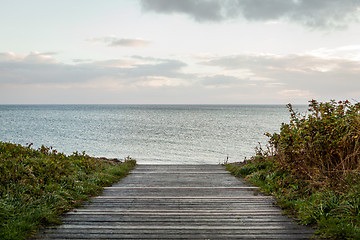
{"x": 150, "y": 133}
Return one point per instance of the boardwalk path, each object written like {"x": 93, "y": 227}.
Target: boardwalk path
{"x": 179, "y": 202}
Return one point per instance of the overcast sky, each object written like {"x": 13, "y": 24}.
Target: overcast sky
{"x": 179, "y": 51}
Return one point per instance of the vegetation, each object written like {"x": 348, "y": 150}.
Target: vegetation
{"x": 37, "y": 186}
{"x": 312, "y": 167}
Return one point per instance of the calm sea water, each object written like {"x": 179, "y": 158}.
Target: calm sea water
{"x": 171, "y": 134}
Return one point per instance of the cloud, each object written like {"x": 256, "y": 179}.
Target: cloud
{"x": 300, "y": 75}
{"x": 222, "y": 81}
{"x": 268, "y": 64}
{"x": 200, "y": 10}
{"x": 126, "y": 42}
{"x": 159, "y": 67}
{"x": 261, "y": 78}
{"x": 313, "y": 14}
{"x": 33, "y": 57}
{"x": 36, "y": 68}
{"x": 136, "y": 79}
{"x": 347, "y": 52}
{"x": 8, "y": 56}
{"x": 294, "y": 92}
{"x": 121, "y": 42}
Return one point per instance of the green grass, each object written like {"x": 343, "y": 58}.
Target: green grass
{"x": 335, "y": 215}
{"x": 312, "y": 167}
{"x": 38, "y": 186}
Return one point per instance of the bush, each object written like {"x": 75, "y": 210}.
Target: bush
{"x": 312, "y": 167}
{"x": 37, "y": 186}
{"x": 323, "y": 147}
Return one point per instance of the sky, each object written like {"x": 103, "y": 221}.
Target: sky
{"x": 179, "y": 52}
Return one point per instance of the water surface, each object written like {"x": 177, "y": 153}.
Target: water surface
{"x": 172, "y": 134}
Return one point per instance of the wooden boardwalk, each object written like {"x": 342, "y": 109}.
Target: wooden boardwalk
{"x": 179, "y": 202}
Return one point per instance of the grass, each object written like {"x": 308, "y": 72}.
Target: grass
{"x": 38, "y": 186}
{"x": 312, "y": 167}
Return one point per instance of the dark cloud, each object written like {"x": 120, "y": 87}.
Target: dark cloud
{"x": 200, "y": 10}
{"x": 311, "y": 13}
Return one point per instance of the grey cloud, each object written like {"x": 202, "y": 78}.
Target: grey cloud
{"x": 300, "y": 76}
{"x": 39, "y": 69}
{"x": 41, "y": 73}
{"x": 311, "y": 13}
{"x": 6, "y": 57}
{"x": 80, "y": 60}
{"x": 198, "y": 9}
{"x": 316, "y": 76}
{"x": 304, "y": 72}
{"x": 153, "y": 67}
{"x": 222, "y": 81}
{"x": 168, "y": 68}
{"x": 121, "y": 42}
{"x": 286, "y": 63}
{"x": 326, "y": 13}
{"x": 159, "y": 67}
{"x": 31, "y": 57}
{"x": 125, "y": 42}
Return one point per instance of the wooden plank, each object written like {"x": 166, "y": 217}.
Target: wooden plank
{"x": 234, "y": 188}
{"x": 195, "y": 173}
{"x": 184, "y": 227}
{"x": 124, "y": 211}
{"x": 165, "y": 197}
{"x": 180, "y": 235}
{"x": 184, "y": 213}
{"x": 179, "y": 202}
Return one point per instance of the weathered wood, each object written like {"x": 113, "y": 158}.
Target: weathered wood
{"x": 169, "y": 197}
{"x": 179, "y": 202}
{"x": 144, "y": 188}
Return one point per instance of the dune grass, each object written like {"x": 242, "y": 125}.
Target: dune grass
{"x": 312, "y": 167}
{"x": 38, "y": 186}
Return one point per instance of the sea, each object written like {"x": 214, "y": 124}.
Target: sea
{"x": 151, "y": 134}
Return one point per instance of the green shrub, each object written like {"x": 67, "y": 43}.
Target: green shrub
{"x": 324, "y": 146}
{"x": 37, "y": 186}
{"x": 312, "y": 167}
